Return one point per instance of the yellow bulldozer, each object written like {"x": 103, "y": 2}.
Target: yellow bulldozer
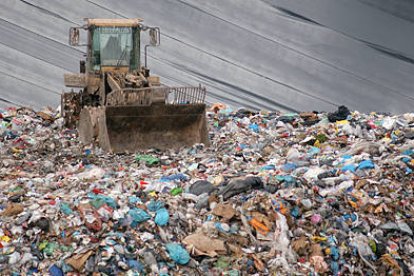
{"x": 120, "y": 105}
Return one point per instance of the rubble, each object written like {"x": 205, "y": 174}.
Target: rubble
{"x": 303, "y": 194}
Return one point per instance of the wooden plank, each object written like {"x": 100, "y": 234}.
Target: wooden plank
{"x": 113, "y": 83}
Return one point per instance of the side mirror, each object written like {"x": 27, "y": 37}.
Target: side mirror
{"x": 155, "y": 36}
{"x": 74, "y": 36}
{"x": 154, "y": 39}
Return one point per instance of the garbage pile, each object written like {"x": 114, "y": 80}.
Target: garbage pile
{"x": 291, "y": 194}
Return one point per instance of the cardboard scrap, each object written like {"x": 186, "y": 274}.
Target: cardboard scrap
{"x": 12, "y": 209}
{"x": 199, "y": 244}
{"x": 78, "y": 261}
{"x": 224, "y": 210}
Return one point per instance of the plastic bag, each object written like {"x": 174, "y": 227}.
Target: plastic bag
{"x": 177, "y": 253}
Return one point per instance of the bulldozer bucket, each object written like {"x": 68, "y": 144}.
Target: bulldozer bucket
{"x": 130, "y": 128}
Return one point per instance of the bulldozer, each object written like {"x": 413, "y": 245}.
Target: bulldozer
{"x": 120, "y": 106}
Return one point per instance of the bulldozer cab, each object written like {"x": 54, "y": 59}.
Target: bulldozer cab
{"x": 113, "y": 48}
{"x": 121, "y": 106}
{"x": 113, "y": 44}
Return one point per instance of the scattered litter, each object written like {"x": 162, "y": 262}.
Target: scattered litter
{"x": 286, "y": 194}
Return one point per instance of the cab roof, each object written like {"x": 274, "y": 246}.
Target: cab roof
{"x": 115, "y": 22}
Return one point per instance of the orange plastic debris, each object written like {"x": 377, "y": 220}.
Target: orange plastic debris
{"x": 260, "y": 227}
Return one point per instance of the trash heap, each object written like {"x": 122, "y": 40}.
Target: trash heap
{"x": 291, "y": 194}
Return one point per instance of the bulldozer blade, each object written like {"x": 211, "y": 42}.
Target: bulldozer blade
{"x": 130, "y": 128}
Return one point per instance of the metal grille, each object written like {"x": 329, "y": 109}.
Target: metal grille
{"x": 146, "y": 96}
{"x": 187, "y": 95}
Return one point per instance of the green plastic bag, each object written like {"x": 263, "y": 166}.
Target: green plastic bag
{"x": 149, "y": 160}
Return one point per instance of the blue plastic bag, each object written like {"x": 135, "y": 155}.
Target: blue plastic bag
{"x": 134, "y": 199}
{"x": 138, "y": 215}
{"x": 106, "y": 199}
{"x": 65, "y": 208}
{"x": 350, "y": 167}
{"x": 313, "y": 151}
{"x": 295, "y": 212}
{"x": 55, "y": 271}
{"x": 288, "y": 167}
{"x": 254, "y": 128}
{"x": 220, "y": 228}
{"x": 162, "y": 217}
{"x": 334, "y": 253}
{"x": 153, "y": 205}
{"x": 409, "y": 152}
{"x": 177, "y": 253}
{"x": 366, "y": 164}
{"x": 135, "y": 265}
{"x": 335, "y": 268}
{"x": 288, "y": 179}
{"x": 346, "y": 157}
{"x": 268, "y": 168}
